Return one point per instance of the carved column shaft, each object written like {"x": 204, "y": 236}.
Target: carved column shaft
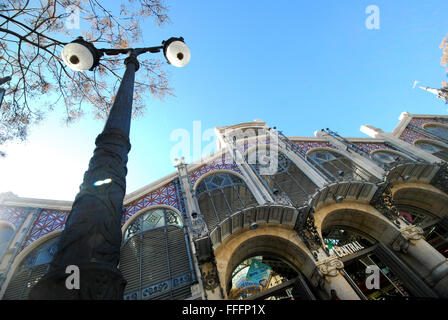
{"x": 425, "y": 257}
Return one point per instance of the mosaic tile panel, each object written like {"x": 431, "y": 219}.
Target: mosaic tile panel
{"x": 14, "y": 215}
{"x": 305, "y": 146}
{"x": 167, "y": 195}
{"x": 47, "y": 221}
{"x": 221, "y": 163}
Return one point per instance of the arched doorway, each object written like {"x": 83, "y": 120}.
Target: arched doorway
{"x": 155, "y": 256}
{"x": 358, "y": 252}
{"x": 283, "y": 259}
{"x": 32, "y": 267}
{"x": 268, "y": 276}
{"x": 362, "y": 239}
{"x": 426, "y": 209}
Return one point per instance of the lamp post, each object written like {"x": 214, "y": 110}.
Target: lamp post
{"x": 92, "y": 236}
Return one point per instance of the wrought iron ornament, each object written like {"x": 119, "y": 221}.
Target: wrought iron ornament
{"x": 440, "y": 180}
{"x": 311, "y": 236}
{"x": 384, "y": 203}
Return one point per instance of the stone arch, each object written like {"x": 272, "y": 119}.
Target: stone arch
{"x": 357, "y": 216}
{"x": 424, "y": 196}
{"x": 273, "y": 239}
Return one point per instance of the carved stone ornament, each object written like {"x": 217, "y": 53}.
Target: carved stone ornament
{"x": 198, "y": 227}
{"x": 330, "y": 267}
{"x": 411, "y": 232}
{"x": 211, "y": 280}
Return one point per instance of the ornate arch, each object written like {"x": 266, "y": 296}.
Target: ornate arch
{"x": 424, "y": 196}
{"x": 273, "y": 239}
{"x": 358, "y": 216}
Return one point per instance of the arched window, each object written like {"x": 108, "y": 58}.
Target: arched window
{"x": 339, "y": 166}
{"x": 437, "y": 130}
{"x": 433, "y": 148}
{"x": 284, "y": 180}
{"x": 155, "y": 258}
{"x": 388, "y": 158}
{"x": 6, "y": 233}
{"x": 31, "y": 269}
{"x": 220, "y": 195}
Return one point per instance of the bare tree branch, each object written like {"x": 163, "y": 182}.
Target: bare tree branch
{"x": 32, "y": 34}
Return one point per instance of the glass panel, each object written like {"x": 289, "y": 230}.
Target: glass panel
{"x": 217, "y": 181}
{"x": 152, "y": 219}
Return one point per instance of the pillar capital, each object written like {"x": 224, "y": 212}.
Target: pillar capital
{"x": 330, "y": 266}
{"x": 407, "y": 234}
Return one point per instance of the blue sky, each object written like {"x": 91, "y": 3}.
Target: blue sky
{"x": 298, "y": 65}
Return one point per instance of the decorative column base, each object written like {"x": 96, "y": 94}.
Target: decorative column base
{"x": 96, "y": 282}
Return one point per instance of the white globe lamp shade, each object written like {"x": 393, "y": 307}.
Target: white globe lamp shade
{"x": 77, "y": 56}
{"x": 177, "y": 53}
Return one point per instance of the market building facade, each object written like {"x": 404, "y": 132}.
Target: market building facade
{"x": 271, "y": 217}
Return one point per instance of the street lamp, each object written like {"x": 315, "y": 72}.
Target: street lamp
{"x": 92, "y": 236}
{"x": 80, "y": 55}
